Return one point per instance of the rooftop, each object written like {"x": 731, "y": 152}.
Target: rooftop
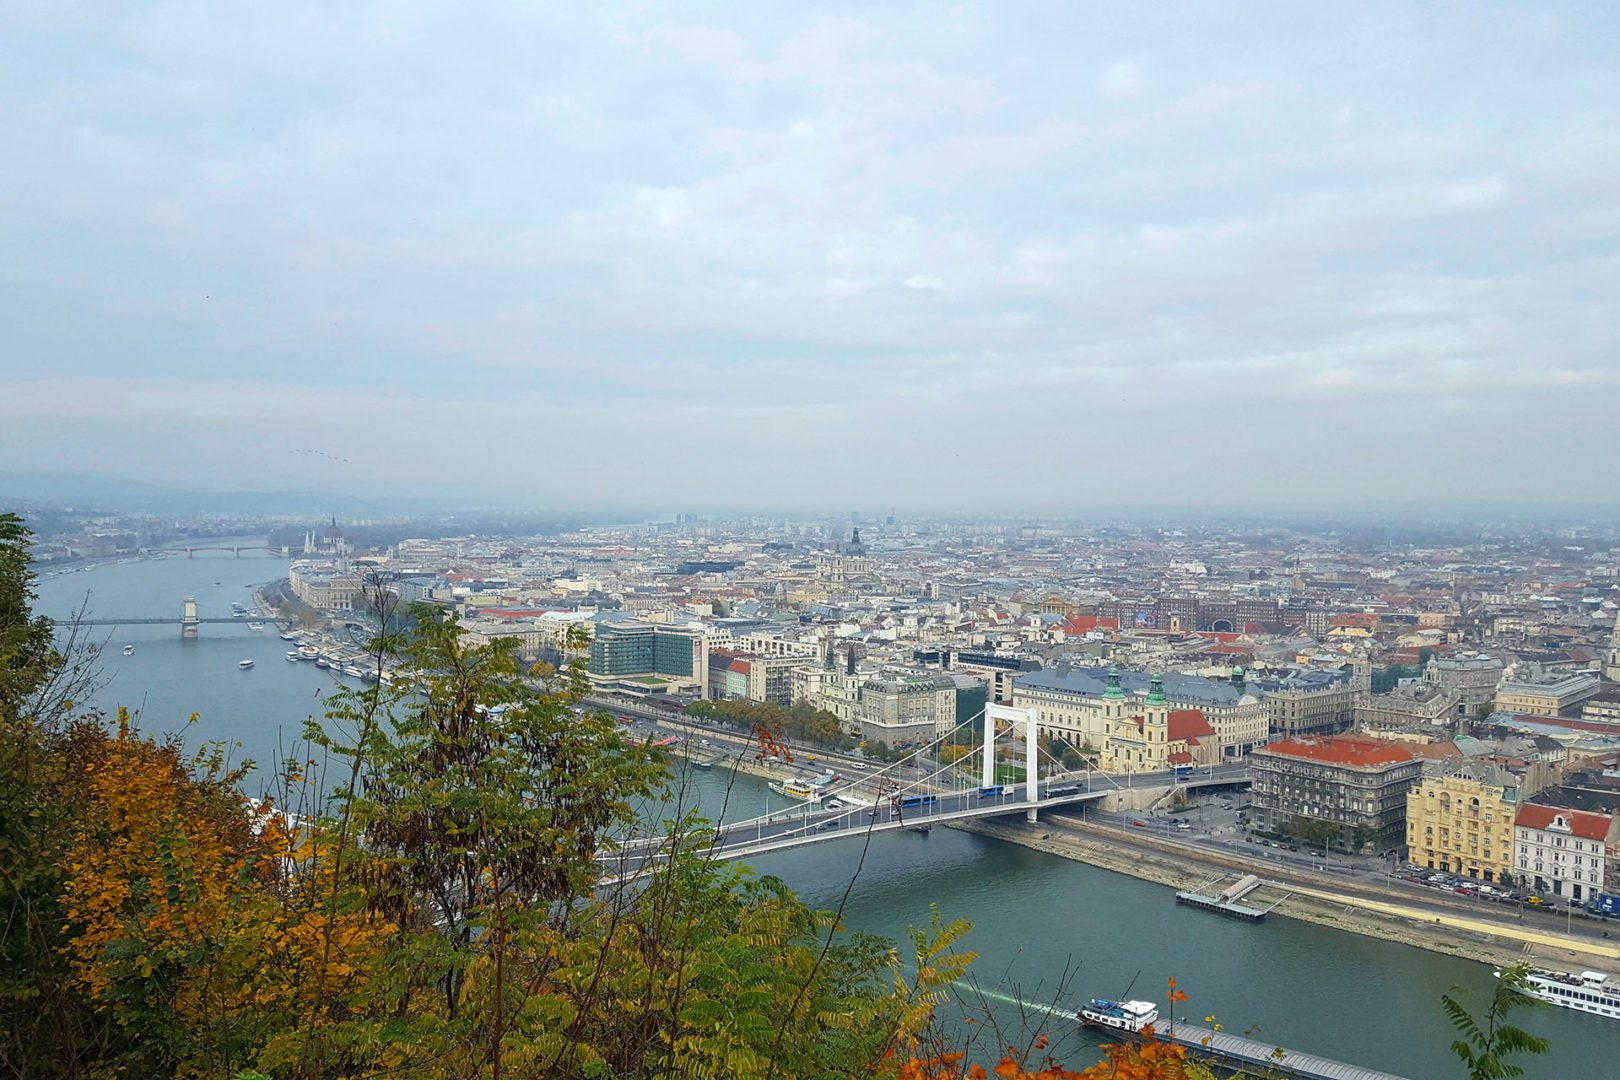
{"x": 1579, "y": 822}
{"x": 1343, "y": 750}
{"x": 1092, "y": 681}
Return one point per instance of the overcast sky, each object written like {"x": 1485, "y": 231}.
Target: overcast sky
{"x": 971, "y": 257}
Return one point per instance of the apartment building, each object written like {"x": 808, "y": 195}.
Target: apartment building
{"x": 1355, "y": 784}
{"x": 1460, "y": 818}
{"x": 1566, "y": 853}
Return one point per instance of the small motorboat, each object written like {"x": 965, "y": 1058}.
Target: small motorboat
{"x": 129, "y": 650}
{"x": 244, "y": 664}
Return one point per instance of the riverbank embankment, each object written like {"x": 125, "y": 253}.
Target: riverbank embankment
{"x": 1327, "y": 903}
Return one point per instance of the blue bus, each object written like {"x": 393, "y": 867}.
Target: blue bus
{"x": 918, "y": 800}
{"x": 1181, "y": 770}
{"x": 992, "y": 792}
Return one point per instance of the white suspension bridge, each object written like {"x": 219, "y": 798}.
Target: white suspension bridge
{"x": 976, "y": 786}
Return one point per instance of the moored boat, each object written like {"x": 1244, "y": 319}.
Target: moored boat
{"x": 244, "y": 664}
{"x": 255, "y": 626}
{"x": 1131, "y": 1016}
{"x": 795, "y": 790}
{"x": 288, "y": 635}
{"x": 1590, "y": 991}
{"x": 292, "y": 656}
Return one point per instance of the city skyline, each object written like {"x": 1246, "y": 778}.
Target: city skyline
{"x": 1239, "y": 257}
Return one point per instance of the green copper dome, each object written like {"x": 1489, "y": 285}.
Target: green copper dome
{"x": 1113, "y": 690}
{"x": 1156, "y": 690}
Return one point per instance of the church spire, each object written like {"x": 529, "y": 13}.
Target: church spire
{"x": 1156, "y": 690}
{"x": 1113, "y": 690}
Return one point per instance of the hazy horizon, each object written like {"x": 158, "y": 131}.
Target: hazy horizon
{"x": 914, "y": 257}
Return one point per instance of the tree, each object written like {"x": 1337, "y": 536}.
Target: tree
{"x": 27, "y": 656}
{"x": 1488, "y": 1041}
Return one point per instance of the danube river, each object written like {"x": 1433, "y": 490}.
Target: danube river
{"x": 1037, "y": 918}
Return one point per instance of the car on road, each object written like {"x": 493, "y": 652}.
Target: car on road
{"x": 1139, "y": 823}
{"x": 861, "y": 765}
{"x": 1534, "y": 900}
{"x": 1182, "y": 825}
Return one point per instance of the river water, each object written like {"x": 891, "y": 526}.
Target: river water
{"x": 1038, "y": 919}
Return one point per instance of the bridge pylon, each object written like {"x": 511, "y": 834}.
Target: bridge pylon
{"x": 188, "y": 619}
{"x": 993, "y": 713}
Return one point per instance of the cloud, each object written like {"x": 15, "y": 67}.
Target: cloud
{"x": 832, "y": 248}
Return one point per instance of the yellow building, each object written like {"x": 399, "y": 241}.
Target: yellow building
{"x": 1459, "y": 819}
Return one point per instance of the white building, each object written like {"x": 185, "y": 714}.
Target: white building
{"x": 1565, "y": 853}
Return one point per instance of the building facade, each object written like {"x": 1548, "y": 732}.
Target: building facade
{"x": 900, "y": 709}
{"x": 1309, "y": 702}
{"x": 1460, "y": 819}
{"x": 1546, "y": 693}
{"x": 1355, "y": 785}
{"x": 627, "y": 651}
{"x": 1074, "y": 705}
{"x": 1473, "y": 677}
{"x": 325, "y": 587}
{"x": 1566, "y": 853}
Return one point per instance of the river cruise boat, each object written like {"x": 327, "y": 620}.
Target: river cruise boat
{"x": 244, "y": 664}
{"x": 288, "y": 635}
{"x": 308, "y": 652}
{"x": 1590, "y": 991}
{"x": 292, "y": 656}
{"x": 1131, "y": 1016}
{"x": 353, "y": 671}
{"x": 795, "y": 790}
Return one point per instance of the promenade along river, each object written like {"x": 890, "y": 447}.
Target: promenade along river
{"x": 1036, "y": 917}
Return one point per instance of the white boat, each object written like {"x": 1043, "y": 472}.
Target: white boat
{"x": 244, "y": 664}
{"x": 1130, "y": 1016}
{"x": 321, "y": 661}
{"x": 292, "y": 656}
{"x": 795, "y": 790}
{"x": 288, "y": 635}
{"x": 129, "y": 650}
{"x": 255, "y": 626}
{"x": 308, "y": 652}
{"x": 353, "y": 672}
{"x": 1590, "y": 991}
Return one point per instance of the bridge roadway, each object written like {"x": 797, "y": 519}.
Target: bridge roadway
{"x": 175, "y": 620}
{"x": 811, "y": 824}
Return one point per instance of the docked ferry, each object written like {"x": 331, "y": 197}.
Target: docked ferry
{"x": 1130, "y": 1016}
{"x": 795, "y": 790}
{"x": 1590, "y": 991}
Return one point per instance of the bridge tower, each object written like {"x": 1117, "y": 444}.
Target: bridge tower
{"x": 1015, "y": 717}
{"x": 188, "y": 619}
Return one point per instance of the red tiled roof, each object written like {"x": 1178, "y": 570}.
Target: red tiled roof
{"x": 1581, "y": 823}
{"x": 1355, "y": 619}
{"x": 1085, "y": 624}
{"x": 741, "y": 667}
{"x": 1343, "y": 750}
{"x": 1180, "y": 757}
{"x": 518, "y": 613}
{"x": 1219, "y": 635}
{"x": 1188, "y": 724}
{"x": 1225, "y": 649}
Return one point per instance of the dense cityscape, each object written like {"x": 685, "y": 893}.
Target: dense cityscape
{"x": 809, "y": 542}
{"x": 1449, "y": 707}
